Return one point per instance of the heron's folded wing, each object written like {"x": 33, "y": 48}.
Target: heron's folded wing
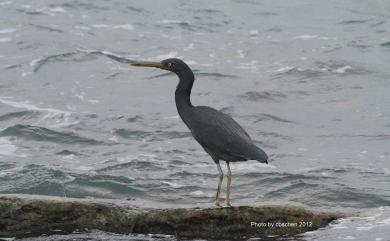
{"x": 219, "y": 133}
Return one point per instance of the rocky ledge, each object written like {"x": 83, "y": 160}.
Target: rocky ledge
{"x": 23, "y": 215}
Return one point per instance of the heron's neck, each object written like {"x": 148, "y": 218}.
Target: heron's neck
{"x": 183, "y": 93}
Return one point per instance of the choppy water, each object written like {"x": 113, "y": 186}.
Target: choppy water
{"x": 308, "y": 80}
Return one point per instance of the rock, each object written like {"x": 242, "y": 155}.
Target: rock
{"x": 24, "y": 215}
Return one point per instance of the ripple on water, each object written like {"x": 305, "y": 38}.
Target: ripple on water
{"x": 263, "y": 95}
{"x": 140, "y": 135}
{"x": 385, "y": 44}
{"x": 21, "y": 115}
{"x": 62, "y": 57}
{"x": 36, "y": 133}
{"x": 7, "y": 148}
{"x": 133, "y": 165}
{"x": 353, "y": 198}
{"x": 272, "y": 118}
{"x": 322, "y": 69}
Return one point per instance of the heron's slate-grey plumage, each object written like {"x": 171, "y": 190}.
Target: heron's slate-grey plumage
{"x": 219, "y": 135}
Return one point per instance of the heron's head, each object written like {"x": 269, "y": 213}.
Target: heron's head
{"x": 174, "y": 65}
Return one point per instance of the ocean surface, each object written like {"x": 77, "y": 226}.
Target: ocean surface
{"x": 308, "y": 80}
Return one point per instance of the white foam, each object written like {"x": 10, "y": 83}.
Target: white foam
{"x": 3, "y": 40}
{"x": 283, "y": 69}
{"x": 171, "y": 37}
{"x": 69, "y": 157}
{"x": 35, "y": 61}
{"x": 170, "y": 21}
{"x": 44, "y": 10}
{"x": 240, "y": 53}
{"x": 110, "y": 53}
{"x": 342, "y": 70}
{"x": 61, "y": 117}
{"x": 57, "y": 10}
{"x": 24, "y": 74}
{"x": 173, "y": 184}
{"x": 100, "y": 25}
{"x": 85, "y": 168}
{"x": 8, "y": 239}
{"x": 171, "y": 117}
{"x": 28, "y": 106}
{"x": 307, "y": 37}
{"x": 124, "y": 26}
{"x": 113, "y": 139}
{"x": 358, "y": 228}
{"x": 93, "y": 101}
{"x": 364, "y": 228}
{"x": 8, "y": 30}
{"x": 80, "y": 96}
{"x": 253, "y": 32}
{"x": 6, "y": 147}
{"x": 349, "y": 238}
{"x": 385, "y": 222}
{"x": 80, "y": 27}
{"x": 197, "y": 193}
{"x": 6, "y": 3}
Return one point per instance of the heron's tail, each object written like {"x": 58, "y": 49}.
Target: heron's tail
{"x": 260, "y": 155}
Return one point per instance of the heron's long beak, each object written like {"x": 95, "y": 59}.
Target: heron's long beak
{"x": 149, "y": 64}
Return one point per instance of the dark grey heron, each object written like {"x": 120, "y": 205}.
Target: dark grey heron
{"x": 219, "y": 135}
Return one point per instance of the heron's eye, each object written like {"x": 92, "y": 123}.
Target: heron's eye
{"x": 169, "y": 65}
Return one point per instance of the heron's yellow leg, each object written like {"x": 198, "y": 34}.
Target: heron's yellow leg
{"x": 229, "y": 184}
{"x": 217, "y": 201}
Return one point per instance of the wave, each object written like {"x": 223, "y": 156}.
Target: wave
{"x": 46, "y": 28}
{"x": 355, "y": 21}
{"x": 68, "y": 153}
{"x": 135, "y": 118}
{"x": 51, "y": 116}
{"x": 385, "y": 44}
{"x": 268, "y": 117}
{"x": 378, "y": 137}
{"x": 323, "y": 69}
{"x": 373, "y": 224}
{"x": 19, "y": 114}
{"x": 290, "y": 188}
{"x": 133, "y": 134}
{"x": 84, "y": 5}
{"x": 36, "y": 133}
{"x": 133, "y": 165}
{"x": 152, "y": 136}
{"x": 80, "y": 55}
{"x": 216, "y": 75}
{"x": 7, "y": 148}
{"x": 354, "y": 198}
{"x": 62, "y": 57}
{"x": 263, "y": 95}
{"x": 43, "y": 180}
{"x": 32, "y": 107}
{"x": 168, "y": 23}
{"x": 113, "y": 56}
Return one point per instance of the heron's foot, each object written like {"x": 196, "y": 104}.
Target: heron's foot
{"x": 217, "y": 203}
{"x": 228, "y": 203}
